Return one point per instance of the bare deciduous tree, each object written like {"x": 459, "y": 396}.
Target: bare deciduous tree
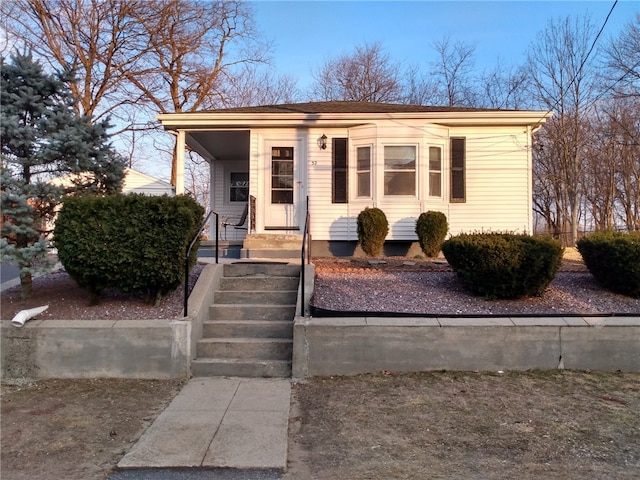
{"x": 94, "y": 39}
{"x": 419, "y": 89}
{"x": 257, "y": 87}
{"x": 562, "y": 80}
{"x": 600, "y": 174}
{"x": 453, "y": 68}
{"x": 197, "y": 181}
{"x": 622, "y": 58}
{"x": 367, "y": 75}
{"x": 622, "y": 130}
{"x": 612, "y": 169}
{"x": 195, "y": 49}
{"x": 163, "y": 56}
{"x": 503, "y": 87}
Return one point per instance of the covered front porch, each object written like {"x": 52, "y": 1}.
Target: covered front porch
{"x": 257, "y": 184}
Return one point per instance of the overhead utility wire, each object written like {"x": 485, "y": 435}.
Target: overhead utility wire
{"x": 593, "y": 44}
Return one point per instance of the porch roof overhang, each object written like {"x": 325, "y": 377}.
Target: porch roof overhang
{"x": 243, "y": 120}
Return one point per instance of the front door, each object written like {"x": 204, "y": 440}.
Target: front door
{"x": 282, "y": 188}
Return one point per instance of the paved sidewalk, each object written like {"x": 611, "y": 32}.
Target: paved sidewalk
{"x": 238, "y": 423}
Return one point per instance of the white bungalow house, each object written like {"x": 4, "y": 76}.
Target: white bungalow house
{"x": 336, "y": 158}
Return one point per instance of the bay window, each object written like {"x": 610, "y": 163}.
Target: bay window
{"x": 435, "y": 172}
{"x": 363, "y": 171}
{"x": 400, "y": 170}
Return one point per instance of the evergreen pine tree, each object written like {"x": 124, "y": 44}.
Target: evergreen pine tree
{"x": 42, "y": 138}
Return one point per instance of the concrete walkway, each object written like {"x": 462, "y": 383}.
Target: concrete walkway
{"x": 238, "y": 423}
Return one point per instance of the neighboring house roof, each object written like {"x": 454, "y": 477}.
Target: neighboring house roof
{"x": 138, "y": 182}
{"x": 134, "y": 182}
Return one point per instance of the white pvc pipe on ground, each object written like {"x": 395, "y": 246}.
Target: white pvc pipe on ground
{"x": 24, "y": 315}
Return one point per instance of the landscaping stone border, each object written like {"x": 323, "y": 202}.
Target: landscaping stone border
{"x": 152, "y": 349}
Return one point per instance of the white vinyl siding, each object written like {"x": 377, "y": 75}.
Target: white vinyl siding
{"x": 498, "y": 192}
{"x": 326, "y": 216}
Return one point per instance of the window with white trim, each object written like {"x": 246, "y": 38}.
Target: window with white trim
{"x": 238, "y": 186}
{"x": 435, "y": 171}
{"x": 363, "y": 171}
{"x": 400, "y": 169}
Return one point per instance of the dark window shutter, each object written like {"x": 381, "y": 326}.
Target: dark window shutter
{"x": 339, "y": 171}
{"x": 458, "y": 151}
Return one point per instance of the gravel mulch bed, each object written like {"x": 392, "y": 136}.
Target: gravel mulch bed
{"x": 398, "y": 285}
{"x": 68, "y": 301}
{"x": 431, "y": 288}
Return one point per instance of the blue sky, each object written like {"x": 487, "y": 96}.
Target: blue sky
{"x": 306, "y": 33}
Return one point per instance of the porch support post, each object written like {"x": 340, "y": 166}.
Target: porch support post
{"x": 529, "y": 226}
{"x": 180, "y": 148}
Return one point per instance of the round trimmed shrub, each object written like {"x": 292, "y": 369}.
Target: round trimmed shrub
{"x": 373, "y": 228}
{"x": 613, "y": 258}
{"x": 431, "y": 228}
{"x": 504, "y": 265}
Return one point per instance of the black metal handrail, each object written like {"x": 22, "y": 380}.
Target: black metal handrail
{"x": 186, "y": 259}
{"x": 305, "y": 238}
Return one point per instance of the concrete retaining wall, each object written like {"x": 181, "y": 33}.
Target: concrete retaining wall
{"x": 107, "y": 348}
{"x": 349, "y": 346}
{"x": 98, "y": 348}
{"x": 322, "y": 346}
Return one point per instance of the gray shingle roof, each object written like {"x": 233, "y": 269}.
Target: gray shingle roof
{"x": 344, "y": 107}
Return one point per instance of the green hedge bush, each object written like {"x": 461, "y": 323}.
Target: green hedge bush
{"x": 373, "y": 228}
{"x": 613, "y": 258}
{"x": 431, "y": 228}
{"x": 504, "y": 265}
{"x": 134, "y": 243}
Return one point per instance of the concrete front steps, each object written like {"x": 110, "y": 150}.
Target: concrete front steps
{"x": 272, "y": 246}
{"x": 250, "y": 328}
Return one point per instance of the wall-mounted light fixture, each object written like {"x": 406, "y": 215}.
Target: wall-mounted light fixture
{"x": 322, "y": 142}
